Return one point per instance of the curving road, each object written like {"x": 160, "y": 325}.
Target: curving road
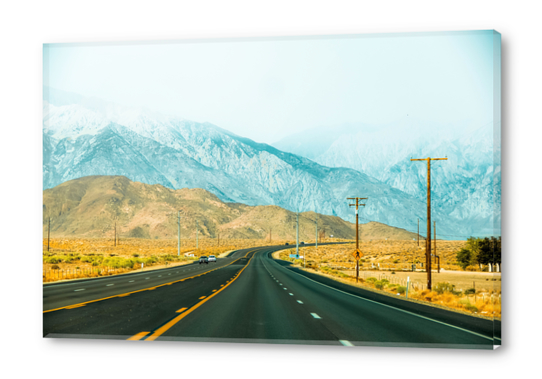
{"x": 250, "y": 297}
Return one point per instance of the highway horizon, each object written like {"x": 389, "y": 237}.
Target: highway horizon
{"x": 250, "y": 297}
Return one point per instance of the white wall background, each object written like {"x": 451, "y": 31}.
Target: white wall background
{"x": 25, "y": 25}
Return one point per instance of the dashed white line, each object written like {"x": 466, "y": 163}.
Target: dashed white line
{"x": 291, "y": 294}
{"x": 300, "y": 302}
{"x": 315, "y": 315}
{"x": 345, "y": 343}
{"x": 82, "y": 289}
{"x": 285, "y": 288}
{"x": 131, "y": 281}
{"x": 109, "y": 285}
{"x": 147, "y": 278}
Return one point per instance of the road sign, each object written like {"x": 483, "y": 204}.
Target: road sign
{"x": 294, "y": 256}
{"x": 357, "y": 254}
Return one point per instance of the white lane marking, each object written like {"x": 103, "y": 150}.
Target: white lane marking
{"x": 285, "y": 288}
{"x": 159, "y": 276}
{"x": 300, "y": 302}
{"x": 147, "y": 278}
{"x": 291, "y": 294}
{"x": 82, "y": 289}
{"x": 397, "y": 309}
{"x": 109, "y": 285}
{"x": 315, "y": 315}
{"x": 345, "y": 343}
{"x": 130, "y": 281}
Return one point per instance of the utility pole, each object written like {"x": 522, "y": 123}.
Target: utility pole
{"x": 357, "y": 254}
{"x": 435, "y": 242}
{"x": 428, "y": 239}
{"x": 178, "y": 233}
{"x": 297, "y": 237}
{"x": 316, "y": 232}
{"x": 418, "y": 232}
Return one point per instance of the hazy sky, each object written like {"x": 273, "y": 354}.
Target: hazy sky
{"x": 266, "y": 89}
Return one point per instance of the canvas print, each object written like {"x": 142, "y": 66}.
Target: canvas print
{"x": 331, "y": 190}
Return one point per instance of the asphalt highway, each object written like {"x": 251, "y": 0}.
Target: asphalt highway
{"x": 250, "y": 297}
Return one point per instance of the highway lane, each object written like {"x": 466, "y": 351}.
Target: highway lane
{"x": 123, "y": 316}
{"x": 73, "y": 292}
{"x": 273, "y": 304}
{"x": 258, "y": 299}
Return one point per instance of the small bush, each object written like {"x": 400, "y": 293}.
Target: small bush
{"x": 401, "y": 290}
{"x": 379, "y": 284}
{"x": 470, "y": 291}
{"x": 55, "y": 267}
{"x": 442, "y": 287}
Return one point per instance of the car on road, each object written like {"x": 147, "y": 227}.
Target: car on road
{"x": 203, "y": 259}
{"x": 302, "y": 243}
{"x": 212, "y": 258}
{"x": 287, "y": 244}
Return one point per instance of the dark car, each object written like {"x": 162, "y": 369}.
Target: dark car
{"x": 302, "y": 243}
{"x": 287, "y": 244}
{"x": 203, "y": 259}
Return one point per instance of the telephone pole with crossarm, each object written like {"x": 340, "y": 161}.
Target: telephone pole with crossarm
{"x": 428, "y": 238}
{"x": 357, "y": 254}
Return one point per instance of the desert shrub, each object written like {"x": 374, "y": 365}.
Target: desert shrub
{"x": 379, "y": 284}
{"x": 135, "y": 255}
{"x": 66, "y": 259}
{"x": 401, "y": 290}
{"x": 471, "y": 308}
{"x": 86, "y": 259}
{"x": 52, "y": 260}
{"x": 442, "y": 287}
{"x": 371, "y": 280}
{"x": 470, "y": 291}
{"x": 385, "y": 281}
{"x": 95, "y": 263}
{"x": 55, "y": 267}
{"x": 151, "y": 260}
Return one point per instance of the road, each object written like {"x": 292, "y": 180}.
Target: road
{"x": 250, "y": 297}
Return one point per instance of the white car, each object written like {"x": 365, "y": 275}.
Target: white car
{"x": 212, "y": 258}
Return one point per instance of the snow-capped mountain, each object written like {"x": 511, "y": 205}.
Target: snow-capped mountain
{"x": 465, "y": 187}
{"x": 85, "y": 137}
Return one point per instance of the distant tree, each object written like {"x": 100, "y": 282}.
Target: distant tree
{"x": 490, "y": 251}
{"x": 464, "y": 258}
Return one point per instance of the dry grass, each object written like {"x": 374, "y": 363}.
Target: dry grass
{"x": 72, "y": 258}
{"x": 386, "y": 266}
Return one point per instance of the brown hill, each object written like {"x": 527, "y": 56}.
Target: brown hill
{"x": 90, "y": 206}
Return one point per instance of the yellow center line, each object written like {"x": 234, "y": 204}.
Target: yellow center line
{"x": 167, "y": 326}
{"x": 203, "y": 297}
{"x": 181, "y": 310}
{"x": 138, "y": 336}
{"x": 144, "y": 289}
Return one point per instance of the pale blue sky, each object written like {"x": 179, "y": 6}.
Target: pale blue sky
{"x": 266, "y": 89}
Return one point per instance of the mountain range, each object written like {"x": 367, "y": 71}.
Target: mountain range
{"x": 86, "y": 137}
{"x": 90, "y": 207}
